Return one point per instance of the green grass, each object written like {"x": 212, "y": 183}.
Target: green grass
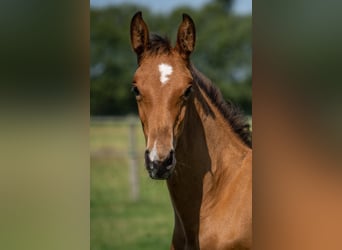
{"x": 116, "y": 221}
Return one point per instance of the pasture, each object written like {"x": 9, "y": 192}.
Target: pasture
{"x": 116, "y": 221}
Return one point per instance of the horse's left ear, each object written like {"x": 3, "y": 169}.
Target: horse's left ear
{"x": 186, "y": 37}
{"x": 139, "y": 34}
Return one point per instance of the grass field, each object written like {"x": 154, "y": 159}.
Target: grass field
{"x": 116, "y": 221}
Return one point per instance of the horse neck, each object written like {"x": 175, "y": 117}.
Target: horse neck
{"x": 208, "y": 152}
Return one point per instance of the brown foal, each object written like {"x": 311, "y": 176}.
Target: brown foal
{"x": 195, "y": 140}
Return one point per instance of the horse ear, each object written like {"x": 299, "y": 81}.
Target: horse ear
{"x": 139, "y": 34}
{"x": 186, "y": 37}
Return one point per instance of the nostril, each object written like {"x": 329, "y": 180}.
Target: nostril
{"x": 147, "y": 152}
{"x": 172, "y": 152}
{"x": 147, "y": 158}
{"x": 169, "y": 160}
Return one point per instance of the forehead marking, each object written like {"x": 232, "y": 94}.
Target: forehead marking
{"x": 165, "y": 71}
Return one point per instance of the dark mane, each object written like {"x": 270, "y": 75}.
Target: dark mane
{"x": 230, "y": 112}
{"x": 159, "y": 45}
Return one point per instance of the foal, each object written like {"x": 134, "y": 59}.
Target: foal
{"x": 195, "y": 140}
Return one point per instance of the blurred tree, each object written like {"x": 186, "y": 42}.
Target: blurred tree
{"x": 226, "y": 5}
{"x": 223, "y": 53}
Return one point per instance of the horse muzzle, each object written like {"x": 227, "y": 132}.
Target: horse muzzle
{"x": 160, "y": 169}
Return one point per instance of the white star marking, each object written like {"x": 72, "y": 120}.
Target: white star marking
{"x": 165, "y": 71}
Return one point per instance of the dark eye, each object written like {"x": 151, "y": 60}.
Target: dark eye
{"x": 135, "y": 91}
{"x": 187, "y": 92}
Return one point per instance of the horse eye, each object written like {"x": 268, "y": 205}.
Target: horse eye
{"x": 187, "y": 92}
{"x": 135, "y": 90}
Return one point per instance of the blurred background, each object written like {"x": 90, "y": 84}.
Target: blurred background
{"x": 128, "y": 210}
{"x": 44, "y": 167}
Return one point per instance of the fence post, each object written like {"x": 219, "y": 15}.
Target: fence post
{"x": 134, "y": 171}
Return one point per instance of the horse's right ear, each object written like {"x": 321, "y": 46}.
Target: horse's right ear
{"x": 139, "y": 34}
{"x": 186, "y": 37}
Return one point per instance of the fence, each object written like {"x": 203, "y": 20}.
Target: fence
{"x": 118, "y": 138}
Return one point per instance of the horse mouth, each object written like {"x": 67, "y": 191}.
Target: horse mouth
{"x": 161, "y": 173}
{"x": 160, "y": 170}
